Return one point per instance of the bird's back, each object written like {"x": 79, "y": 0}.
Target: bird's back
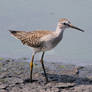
{"x": 31, "y": 38}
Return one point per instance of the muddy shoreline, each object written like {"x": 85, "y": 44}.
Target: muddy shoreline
{"x": 14, "y": 77}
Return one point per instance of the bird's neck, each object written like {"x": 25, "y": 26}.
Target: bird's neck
{"x": 59, "y": 31}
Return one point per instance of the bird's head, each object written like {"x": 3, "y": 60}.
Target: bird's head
{"x": 65, "y": 23}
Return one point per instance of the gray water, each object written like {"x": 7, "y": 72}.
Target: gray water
{"x": 76, "y": 47}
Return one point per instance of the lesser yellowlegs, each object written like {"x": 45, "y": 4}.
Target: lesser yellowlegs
{"x": 43, "y": 40}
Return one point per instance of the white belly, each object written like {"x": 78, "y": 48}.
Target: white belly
{"x": 49, "y": 42}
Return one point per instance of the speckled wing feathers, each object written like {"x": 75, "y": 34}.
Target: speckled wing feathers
{"x": 31, "y": 38}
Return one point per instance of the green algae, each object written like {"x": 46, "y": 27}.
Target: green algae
{"x": 62, "y": 66}
{"x": 1, "y": 58}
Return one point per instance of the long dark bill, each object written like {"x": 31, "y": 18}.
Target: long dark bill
{"x": 76, "y": 28}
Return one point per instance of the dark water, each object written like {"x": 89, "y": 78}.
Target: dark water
{"x": 76, "y": 47}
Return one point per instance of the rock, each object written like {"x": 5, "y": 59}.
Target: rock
{"x": 65, "y": 85}
{"x": 2, "y": 90}
{"x": 16, "y": 89}
{"x": 83, "y": 88}
{"x": 2, "y": 86}
{"x": 86, "y": 72}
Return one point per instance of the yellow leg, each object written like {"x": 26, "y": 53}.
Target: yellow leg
{"x": 31, "y": 68}
{"x": 43, "y": 67}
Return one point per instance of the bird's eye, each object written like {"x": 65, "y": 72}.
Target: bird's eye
{"x": 64, "y": 23}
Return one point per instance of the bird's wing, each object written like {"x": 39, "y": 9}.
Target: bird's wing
{"x": 31, "y": 38}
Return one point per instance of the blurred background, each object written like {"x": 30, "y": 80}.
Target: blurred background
{"x": 28, "y": 15}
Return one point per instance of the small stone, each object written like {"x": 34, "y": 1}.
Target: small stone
{"x": 15, "y": 89}
{"x": 54, "y": 90}
{"x": 2, "y": 86}
{"x": 83, "y": 88}
{"x": 2, "y": 90}
{"x": 3, "y": 74}
{"x": 90, "y": 78}
{"x": 15, "y": 80}
{"x": 64, "y": 85}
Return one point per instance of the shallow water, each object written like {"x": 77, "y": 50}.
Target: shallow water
{"x": 76, "y": 47}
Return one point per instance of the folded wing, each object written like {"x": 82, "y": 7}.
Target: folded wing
{"x": 30, "y": 38}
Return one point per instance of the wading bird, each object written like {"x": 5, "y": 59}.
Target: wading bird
{"x": 43, "y": 40}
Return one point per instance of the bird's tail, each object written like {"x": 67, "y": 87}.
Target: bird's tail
{"x": 18, "y": 34}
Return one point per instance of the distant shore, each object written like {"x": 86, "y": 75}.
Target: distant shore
{"x": 14, "y": 77}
